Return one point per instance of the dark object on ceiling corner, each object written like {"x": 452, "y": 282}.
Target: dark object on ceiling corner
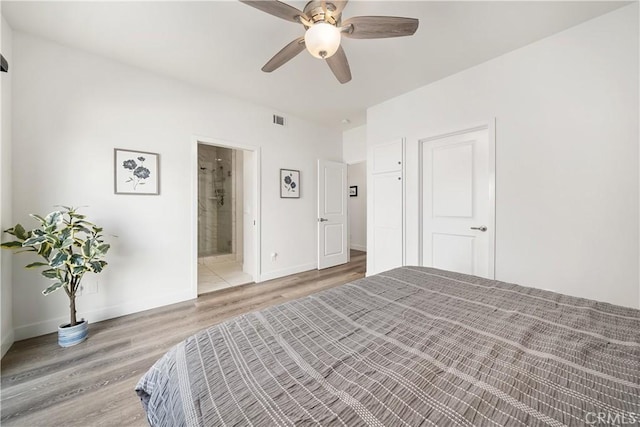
{"x": 4, "y": 65}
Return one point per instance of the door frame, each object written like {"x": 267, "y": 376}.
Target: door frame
{"x": 490, "y": 127}
{"x": 198, "y": 139}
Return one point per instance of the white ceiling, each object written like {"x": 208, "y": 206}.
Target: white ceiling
{"x": 223, "y": 44}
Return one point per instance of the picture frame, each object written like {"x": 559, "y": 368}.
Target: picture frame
{"x": 289, "y": 184}
{"x": 136, "y": 172}
{"x": 353, "y": 191}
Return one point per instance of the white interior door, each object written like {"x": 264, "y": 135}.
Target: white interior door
{"x": 332, "y": 214}
{"x": 386, "y": 195}
{"x": 458, "y": 177}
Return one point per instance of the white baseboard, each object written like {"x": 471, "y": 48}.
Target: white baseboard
{"x": 97, "y": 315}
{"x": 7, "y": 342}
{"x": 287, "y": 271}
{"x": 358, "y": 247}
{"x": 104, "y": 313}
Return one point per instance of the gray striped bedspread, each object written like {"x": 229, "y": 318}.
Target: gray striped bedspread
{"x": 411, "y": 346}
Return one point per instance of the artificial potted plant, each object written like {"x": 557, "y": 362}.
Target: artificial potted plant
{"x": 71, "y": 246}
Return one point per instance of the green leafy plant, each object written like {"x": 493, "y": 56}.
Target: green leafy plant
{"x": 70, "y": 245}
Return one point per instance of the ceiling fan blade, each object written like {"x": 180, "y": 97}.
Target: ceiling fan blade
{"x": 340, "y": 66}
{"x": 276, "y": 8}
{"x": 379, "y": 27}
{"x": 287, "y": 53}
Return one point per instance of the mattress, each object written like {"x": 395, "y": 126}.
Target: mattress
{"x": 411, "y": 346}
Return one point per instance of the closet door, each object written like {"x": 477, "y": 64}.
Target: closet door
{"x": 387, "y": 157}
{"x": 387, "y": 221}
{"x": 387, "y": 207}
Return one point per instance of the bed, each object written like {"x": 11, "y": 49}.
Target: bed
{"x": 411, "y": 346}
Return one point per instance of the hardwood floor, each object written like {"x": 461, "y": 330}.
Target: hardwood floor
{"x": 92, "y": 383}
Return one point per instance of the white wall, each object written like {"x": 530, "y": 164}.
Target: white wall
{"x": 354, "y": 145}
{"x": 567, "y": 181}
{"x": 6, "y": 320}
{"x": 71, "y": 109}
{"x": 357, "y": 175}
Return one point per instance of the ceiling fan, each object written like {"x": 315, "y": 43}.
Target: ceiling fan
{"x": 322, "y": 20}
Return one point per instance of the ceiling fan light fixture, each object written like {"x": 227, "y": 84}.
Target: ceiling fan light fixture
{"x": 322, "y": 40}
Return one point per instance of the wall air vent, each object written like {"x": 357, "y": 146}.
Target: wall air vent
{"x": 278, "y": 120}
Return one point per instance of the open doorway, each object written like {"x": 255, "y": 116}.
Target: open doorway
{"x": 226, "y": 217}
{"x": 357, "y": 179}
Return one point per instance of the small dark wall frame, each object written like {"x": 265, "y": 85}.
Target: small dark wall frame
{"x": 289, "y": 184}
{"x": 353, "y": 191}
{"x": 4, "y": 65}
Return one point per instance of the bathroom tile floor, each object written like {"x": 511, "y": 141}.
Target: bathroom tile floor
{"x": 214, "y": 275}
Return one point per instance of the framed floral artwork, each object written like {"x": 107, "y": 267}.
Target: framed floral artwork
{"x": 289, "y": 184}
{"x": 136, "y": 172}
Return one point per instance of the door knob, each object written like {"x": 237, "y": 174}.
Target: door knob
{"x": 481, "y": 228}
{"x": 322, "y": 219}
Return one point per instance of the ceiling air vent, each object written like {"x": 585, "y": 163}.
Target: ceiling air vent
{"x": 278, "y": 120}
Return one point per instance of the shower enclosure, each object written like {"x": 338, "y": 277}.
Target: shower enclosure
{"x": 218, "y": 187}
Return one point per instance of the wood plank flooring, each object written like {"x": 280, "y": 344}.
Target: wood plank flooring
{"x": 92, "y": 383}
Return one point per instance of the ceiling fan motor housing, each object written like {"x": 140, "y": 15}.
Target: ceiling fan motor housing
{"x": 316, "y": 13}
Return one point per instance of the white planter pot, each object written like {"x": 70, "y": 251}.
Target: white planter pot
{"x": 72, "y": 335}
